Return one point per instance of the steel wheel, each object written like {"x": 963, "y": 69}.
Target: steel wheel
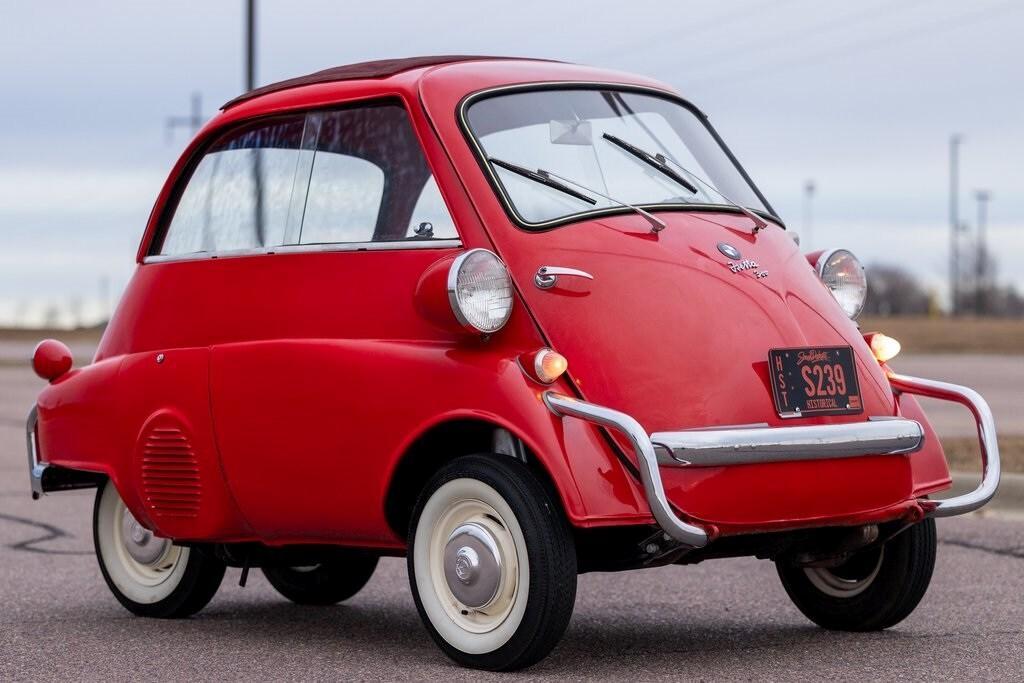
{"x": 850, "y": 579}
{"x": 149, "y": 575}
{"x": 875, "y": 589}
{"x": 474, "y": 560}
{"x": 471, "y": 565}
{"x": 491, "y": 564}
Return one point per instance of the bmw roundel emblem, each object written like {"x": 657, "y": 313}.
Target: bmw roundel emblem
{"x": 729, "y": 251}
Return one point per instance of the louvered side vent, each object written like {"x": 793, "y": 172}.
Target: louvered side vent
{"x": 171, "y": 483}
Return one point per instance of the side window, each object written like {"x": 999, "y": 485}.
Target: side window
{"x": 430, "y": 209}
{"x": 238, "y": 195}
{"x": 368, "y": 180}
{"x": 344, "y": 199}
{"x": 326, "y": 177}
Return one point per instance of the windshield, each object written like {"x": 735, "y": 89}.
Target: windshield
{"x": 572, "y": 133}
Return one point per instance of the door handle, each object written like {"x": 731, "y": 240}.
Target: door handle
{"x": 547, "y": 276}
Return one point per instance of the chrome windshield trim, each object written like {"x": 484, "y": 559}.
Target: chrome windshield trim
{"x": 767, "y": 212}
{"x": 989, "y": 446}
{"x": 746, "y": 446}
{"x": 396, "y": 245}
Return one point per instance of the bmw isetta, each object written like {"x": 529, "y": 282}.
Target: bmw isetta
{"x": 513, "y": 319}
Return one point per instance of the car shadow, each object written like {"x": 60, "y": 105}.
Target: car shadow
{"x": 393, "y": 635}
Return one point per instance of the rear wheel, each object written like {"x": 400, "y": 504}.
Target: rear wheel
{"x": 492, "y": 563}
{"x": 148, "y": 574}
{"x": 326, "y": 583}
{"x": 873, "y": 590}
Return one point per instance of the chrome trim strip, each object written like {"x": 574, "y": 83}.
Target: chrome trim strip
{"x": 394, "y": 245}
{"x": 647, "y": 459}
{"x": 35, "y": 468}
{"x": 745, "y": 446}
{"x": 973, "y": 401}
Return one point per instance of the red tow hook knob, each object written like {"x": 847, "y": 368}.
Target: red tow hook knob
{"x": 51, "y": 359}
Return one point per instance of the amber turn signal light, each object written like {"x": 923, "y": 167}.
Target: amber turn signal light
{"x": 883, "y": 347}
{"x": 548, "y": 365}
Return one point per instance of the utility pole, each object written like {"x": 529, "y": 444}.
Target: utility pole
{"x": 250, "y": 45}
{"x": 809, "y": 190}
{"x": 954, "y": 223}
{"x": 250, "y": 84}
{"x": 194, "y": 120}
{"x": 981, "y": 270}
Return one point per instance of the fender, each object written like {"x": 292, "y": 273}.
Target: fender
{"x": 143, "y": 421}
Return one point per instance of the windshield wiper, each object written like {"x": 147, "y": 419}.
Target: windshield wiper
{"x": 543, "y": 177}
{"x": 660, "y": 162}
{"x": 657, "y": 225}
{"x": 549, "y": 178}
{"x": 655, "y": 161}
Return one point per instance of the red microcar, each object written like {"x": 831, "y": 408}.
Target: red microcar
{"x": 513, "y": 319}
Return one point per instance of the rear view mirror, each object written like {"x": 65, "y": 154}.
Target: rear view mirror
{"x": 573, "y": 132}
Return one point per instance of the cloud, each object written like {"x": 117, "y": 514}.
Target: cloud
{"x": 85, "y": 190}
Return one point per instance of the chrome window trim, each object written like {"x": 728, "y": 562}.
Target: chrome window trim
{"x": 394, "y": 245}
{"x": 506, "y": 201}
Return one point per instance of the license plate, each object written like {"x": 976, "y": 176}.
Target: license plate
{"x": 814, "y": 380}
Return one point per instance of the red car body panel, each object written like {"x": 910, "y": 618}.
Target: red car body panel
{"x": 288, "y": 387}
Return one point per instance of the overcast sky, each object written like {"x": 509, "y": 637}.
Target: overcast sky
{"x": 861, "y": 97}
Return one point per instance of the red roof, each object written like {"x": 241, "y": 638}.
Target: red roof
{"x": 381, "y": 68}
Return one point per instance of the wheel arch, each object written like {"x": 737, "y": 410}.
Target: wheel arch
{"x": 455, "y": 435}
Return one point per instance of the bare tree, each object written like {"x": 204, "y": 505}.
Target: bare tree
{"x": 895, "y": 291}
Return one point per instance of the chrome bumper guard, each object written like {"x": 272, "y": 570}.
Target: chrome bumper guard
{"x": 35, "y": 468}
{"x": 972, "y": 400}
{"x": 754, "y": 444}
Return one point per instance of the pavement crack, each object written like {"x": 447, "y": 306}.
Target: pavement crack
{"x": 1004, "y": 552}
{"x": 50, "y": 533}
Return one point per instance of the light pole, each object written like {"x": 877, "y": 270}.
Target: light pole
{"x": 250, "y": 45}
{"x": 981, "y": 270}
{"x": 194, "y": 120}
{"x": 809, "y": 190}
{"x": 954, "y": 222}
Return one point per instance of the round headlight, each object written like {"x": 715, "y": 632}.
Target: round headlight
{"x": 480, "y": 291}
{"x": 844, "y": 276}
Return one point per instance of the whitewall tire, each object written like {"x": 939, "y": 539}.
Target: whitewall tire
{"x": 149, "y": 575}
{"x": 492, "y": 564}
{"x": 874, "y": 589}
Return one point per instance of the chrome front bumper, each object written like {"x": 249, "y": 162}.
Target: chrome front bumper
{"x": 753, "y": 444}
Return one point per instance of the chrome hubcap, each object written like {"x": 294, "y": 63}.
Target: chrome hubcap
{"x": 850, "y": 579}
{"x": 472, "y": 565}
{"x": 140, "y": 543}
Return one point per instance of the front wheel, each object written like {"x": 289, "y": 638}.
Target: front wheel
{"x": 873, "y": 590}
{"x": 492, "y": 563}
{"x": 148, "y": 574}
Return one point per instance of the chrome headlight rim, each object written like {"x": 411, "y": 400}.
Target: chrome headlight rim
{"x": 822, "y": 263}
{"x": 453, "y": 291}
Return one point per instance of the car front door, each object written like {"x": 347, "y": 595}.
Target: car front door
{"x": 322, "y": 224}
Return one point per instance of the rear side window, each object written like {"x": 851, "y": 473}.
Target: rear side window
{"x": 238, "y": 195}
{"x": 350, "y": 175}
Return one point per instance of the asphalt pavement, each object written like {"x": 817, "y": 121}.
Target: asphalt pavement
{"x": 721, "y": 620}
